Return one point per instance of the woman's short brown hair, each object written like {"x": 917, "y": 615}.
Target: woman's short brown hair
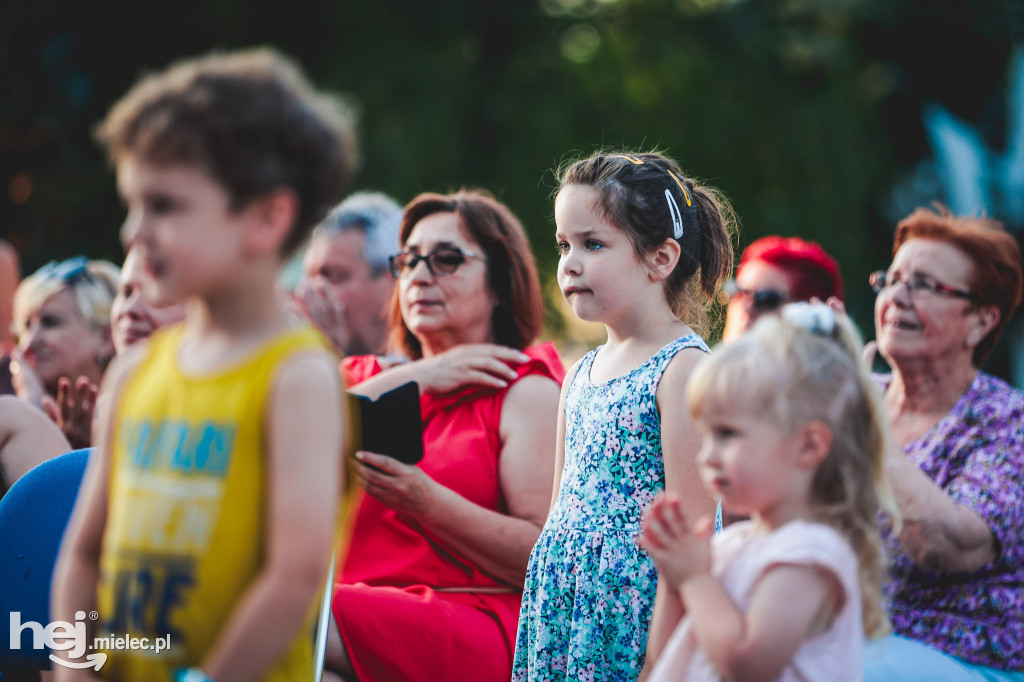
{"x": 996, "y": 279}
{"x": 511, "y": 270}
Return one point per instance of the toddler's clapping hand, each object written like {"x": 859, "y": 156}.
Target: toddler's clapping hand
{"x": 681, "y": 552}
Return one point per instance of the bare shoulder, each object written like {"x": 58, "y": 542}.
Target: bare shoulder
{"x": 680, "y": 367}
{"x": 14, "y": 411}
{"x": 311, "y": 370}
{"x": 530, "y": 395}
{"x": 571, "y": 373}
{"x": 19, "y": 418}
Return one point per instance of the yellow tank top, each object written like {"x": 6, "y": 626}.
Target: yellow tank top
{"x": 185, "y": 528}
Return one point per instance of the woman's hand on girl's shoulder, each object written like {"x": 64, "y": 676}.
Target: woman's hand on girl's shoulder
{"x": 479, "y": 364}
{"x": 472, "y": 364}
{"x": 680, "y": 551}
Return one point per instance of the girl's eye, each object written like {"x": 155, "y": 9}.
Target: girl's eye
{"x": 724, "y": 432}
{"x": 593, "y": 245}
{"x": 563, "y": 247}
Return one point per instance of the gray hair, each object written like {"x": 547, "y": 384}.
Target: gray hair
{"x": 377, "y": 215}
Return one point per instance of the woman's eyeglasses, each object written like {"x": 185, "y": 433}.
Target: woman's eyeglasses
{"x": 441, "y": 261}
{"x": 918, "y": 286}
{"x": 761, "y": 300}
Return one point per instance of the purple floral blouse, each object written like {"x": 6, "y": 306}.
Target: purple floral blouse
{"x": 976, "y": 455}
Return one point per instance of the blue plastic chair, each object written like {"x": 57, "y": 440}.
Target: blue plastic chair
{"x": 33, "y": 515}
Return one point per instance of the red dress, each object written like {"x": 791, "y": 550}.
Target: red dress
{"x": 394, "y": 623}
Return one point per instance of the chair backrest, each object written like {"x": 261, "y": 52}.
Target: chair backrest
{"x": 323, "y": 623}
{"x": 33, "y": 515}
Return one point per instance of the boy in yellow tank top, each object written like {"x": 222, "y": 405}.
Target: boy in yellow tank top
{"x": 208, "y": 516}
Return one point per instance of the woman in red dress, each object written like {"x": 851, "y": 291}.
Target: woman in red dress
{"x": 431, "y": 585}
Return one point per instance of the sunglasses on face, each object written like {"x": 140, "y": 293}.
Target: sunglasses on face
{"x": 918, "y": 286}
{"x": 441, "y": 261}
{"x": 760, "y": 300}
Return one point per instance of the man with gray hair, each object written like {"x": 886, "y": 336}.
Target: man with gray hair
{"x": 346, "y": 287}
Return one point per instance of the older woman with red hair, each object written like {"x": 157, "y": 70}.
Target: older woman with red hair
{"x": 777, "y": 270}
{"x": 956, "y": 570}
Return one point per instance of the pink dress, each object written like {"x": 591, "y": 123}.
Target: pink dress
{"x": 390, "y": 604}
{"x": 741, "y": 557}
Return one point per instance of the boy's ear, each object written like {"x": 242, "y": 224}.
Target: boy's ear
{"x": 815, "y": 444}
{"x": 274, "y": 216}
{"x": 662, "y": 261}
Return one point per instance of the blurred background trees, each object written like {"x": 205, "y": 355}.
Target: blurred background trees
{"x": 806, "y": 113}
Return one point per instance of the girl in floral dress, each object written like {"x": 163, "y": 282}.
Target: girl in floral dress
{"x": 642, "y": 249}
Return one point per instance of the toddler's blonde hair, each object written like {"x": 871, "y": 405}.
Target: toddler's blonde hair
{"x": 789, "y": 376}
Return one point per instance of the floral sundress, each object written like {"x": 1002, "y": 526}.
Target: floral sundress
{"x": 589, "y": 589}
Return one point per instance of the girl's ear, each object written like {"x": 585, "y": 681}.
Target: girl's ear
{"x": 815, "y": 444}
{"x": 662, "y": 261}
{"x": 273, "y": 218}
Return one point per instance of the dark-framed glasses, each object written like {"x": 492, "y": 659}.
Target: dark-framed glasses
{"x": 442, "y": 261}
{"x": 918, "y": 286}
{"x": 760, "y": 300}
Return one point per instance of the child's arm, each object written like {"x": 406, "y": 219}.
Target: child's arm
{"x": 560, "y": 433}
{"x": 681, "y": 440}
{"x": 27, "y": 438}
{"x": 77, "y": 569}
{"x": 304, "y": 436}
{"x": 790, "y": 603}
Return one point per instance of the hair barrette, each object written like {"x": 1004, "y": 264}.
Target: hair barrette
{"x": 632, "y": 159}
{"x": 816, "y": 318}
{"x": 677, "y": 216}
{"x": 686, "y": 195}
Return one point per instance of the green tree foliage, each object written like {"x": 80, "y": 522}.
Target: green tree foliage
{"x": 804, "y": 112}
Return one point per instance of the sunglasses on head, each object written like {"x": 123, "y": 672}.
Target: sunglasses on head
{"x": 761, "y": 300}
{"x": 67, "y": 272}
{"x": 443, "y": 260}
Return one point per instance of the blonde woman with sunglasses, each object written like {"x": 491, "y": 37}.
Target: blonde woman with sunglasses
{"x": 62, "y": 323}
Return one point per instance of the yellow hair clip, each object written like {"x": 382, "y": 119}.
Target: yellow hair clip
{"x": 686, "y": 195}
{"x": 632, "y": 159}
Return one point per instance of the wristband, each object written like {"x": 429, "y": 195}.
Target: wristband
{"x": 191, "y": 675}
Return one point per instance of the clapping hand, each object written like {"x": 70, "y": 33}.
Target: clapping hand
{"x": 679, "y": 551}
{"x": 73, "y": 410}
